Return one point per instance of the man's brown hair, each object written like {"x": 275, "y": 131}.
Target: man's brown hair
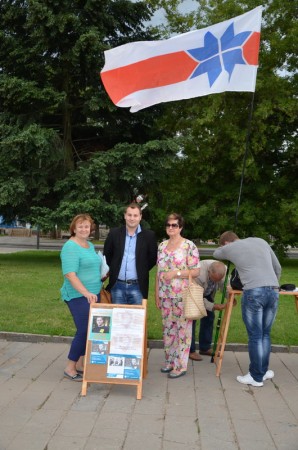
{"x": 228, "y": 236}
{"x": 133, "y": 205}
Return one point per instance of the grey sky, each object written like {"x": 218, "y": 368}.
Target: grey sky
{"x": 185, "y": 7}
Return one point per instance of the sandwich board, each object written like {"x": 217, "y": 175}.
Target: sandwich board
{"x": 116, "y": 348}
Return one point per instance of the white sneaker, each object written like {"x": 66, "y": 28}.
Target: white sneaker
{"x": 248, "y": 379}
{"x": 268, "y": 375}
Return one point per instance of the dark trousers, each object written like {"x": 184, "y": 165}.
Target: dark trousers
{"x": 206, "y": 331}
{"x": 79, "y": 308}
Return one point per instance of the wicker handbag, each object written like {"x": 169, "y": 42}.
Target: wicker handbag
{"x": 193, "y": 301}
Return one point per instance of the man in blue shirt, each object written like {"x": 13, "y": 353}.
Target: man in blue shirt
{"x": 131, "y": 253}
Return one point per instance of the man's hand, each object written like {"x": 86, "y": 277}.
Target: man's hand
{"x": 219, "y": 307}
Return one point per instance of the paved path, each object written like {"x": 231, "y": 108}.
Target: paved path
{"x": 40, "y": 410}
{"x": 12, "y": 244}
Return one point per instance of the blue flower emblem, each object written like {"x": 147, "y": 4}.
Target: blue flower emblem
{"x": 219, "y": 54}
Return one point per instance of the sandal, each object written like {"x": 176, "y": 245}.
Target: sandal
{"x": 166, "y": 369}
{"x": 177, "y": 374}
{"x": 76, "y": 377}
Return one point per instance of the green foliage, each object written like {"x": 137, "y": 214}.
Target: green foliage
{"x": 54, "y": 111}
{"x": 65, "y": 148}
{"x": 106, "y": 183}
{"x": 216, "y": 130}
{"x": 29, "y": 158}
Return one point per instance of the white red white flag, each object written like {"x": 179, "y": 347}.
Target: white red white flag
{"x": 219, "y": 58}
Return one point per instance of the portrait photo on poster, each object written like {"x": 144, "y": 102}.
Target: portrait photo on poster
{"x": 115, "y": 367}
{"x": 98, "y": 354}
{"x": 132, "y": 369}
{"x": 101, "y": 322}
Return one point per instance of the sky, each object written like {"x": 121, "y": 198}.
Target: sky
{"x": 185, "y": 7}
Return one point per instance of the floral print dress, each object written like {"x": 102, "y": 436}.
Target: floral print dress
{"x": 176, "y": 329}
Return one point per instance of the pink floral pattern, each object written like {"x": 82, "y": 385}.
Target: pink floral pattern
{"x": 176, "y": 329}
{"x": 183, "y": 258}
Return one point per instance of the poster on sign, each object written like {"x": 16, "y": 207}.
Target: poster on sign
{"x": 116, "y": 345}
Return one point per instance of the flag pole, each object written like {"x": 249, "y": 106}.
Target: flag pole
{"x": 235, "y": 221}
{"x": 244, "y": 158}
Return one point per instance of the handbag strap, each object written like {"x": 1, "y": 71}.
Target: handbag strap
{"x": 189, "y": 277}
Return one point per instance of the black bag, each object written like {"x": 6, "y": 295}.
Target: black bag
{"x": 287, "y": 287}
{"x": 235, "y": 281}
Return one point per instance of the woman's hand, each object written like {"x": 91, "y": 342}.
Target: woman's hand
{"x": 92, "y": 298}
{"x": 168, "y": 276}
{"x": 157, "y": 302}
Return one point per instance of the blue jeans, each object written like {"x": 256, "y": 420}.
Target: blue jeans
{"x": 79, "y": 308}
{"x": 126, "y": 294}
{"x": 259, "y": 308}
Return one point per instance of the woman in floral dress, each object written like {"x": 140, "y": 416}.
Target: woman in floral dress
{"x": 177, "y": 257}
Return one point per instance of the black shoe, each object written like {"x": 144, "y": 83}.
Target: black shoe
{"x": 166, "y": 369}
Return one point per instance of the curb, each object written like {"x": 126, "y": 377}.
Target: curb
{"x": 157, "y": 344}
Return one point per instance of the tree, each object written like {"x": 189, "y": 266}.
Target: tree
{"x": 214, "y": 133}
{"x": 54, "y": 111}
{"x": 107, "y": 181}
{"x": 61, "y": 136}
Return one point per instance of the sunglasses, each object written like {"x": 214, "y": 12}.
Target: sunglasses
{"x": 172, "y": 225}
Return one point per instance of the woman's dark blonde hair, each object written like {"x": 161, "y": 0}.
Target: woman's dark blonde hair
{"x": 175, "y": 216}
{"x": 80, "y": 218}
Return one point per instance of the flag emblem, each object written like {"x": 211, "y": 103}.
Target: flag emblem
{"x": 225, "y": 53}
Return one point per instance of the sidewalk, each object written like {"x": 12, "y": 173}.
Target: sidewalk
{"x": 40, "y": 410}
{"x": 12, "y": 244}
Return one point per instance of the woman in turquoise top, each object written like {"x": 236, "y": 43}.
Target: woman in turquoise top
{"x": 81, "y": 270}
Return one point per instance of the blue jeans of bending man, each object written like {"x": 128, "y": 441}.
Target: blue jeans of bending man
{"x": 259, "y": 308}
{"x": 206, "y": 330}
{"x": 126, "y": 294}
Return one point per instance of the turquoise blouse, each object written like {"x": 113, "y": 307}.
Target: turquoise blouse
{"x": 86, "y": 263}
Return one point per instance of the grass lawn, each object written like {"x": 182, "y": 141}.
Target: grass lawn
{"x": 30, "y": 300}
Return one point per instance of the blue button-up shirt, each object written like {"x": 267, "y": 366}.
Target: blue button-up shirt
{"x": 128, "y": 269}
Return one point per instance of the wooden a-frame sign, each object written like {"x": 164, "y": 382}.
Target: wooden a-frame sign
{"x": 116, "y": 348}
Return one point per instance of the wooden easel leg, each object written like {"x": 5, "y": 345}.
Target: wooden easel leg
{"x": 144, "y": 370}
{"x": 223, "y": 332}
{"x": 145, "y": 353}
{"x": 84, "y": 388}
{"x": 139, "y": 390}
